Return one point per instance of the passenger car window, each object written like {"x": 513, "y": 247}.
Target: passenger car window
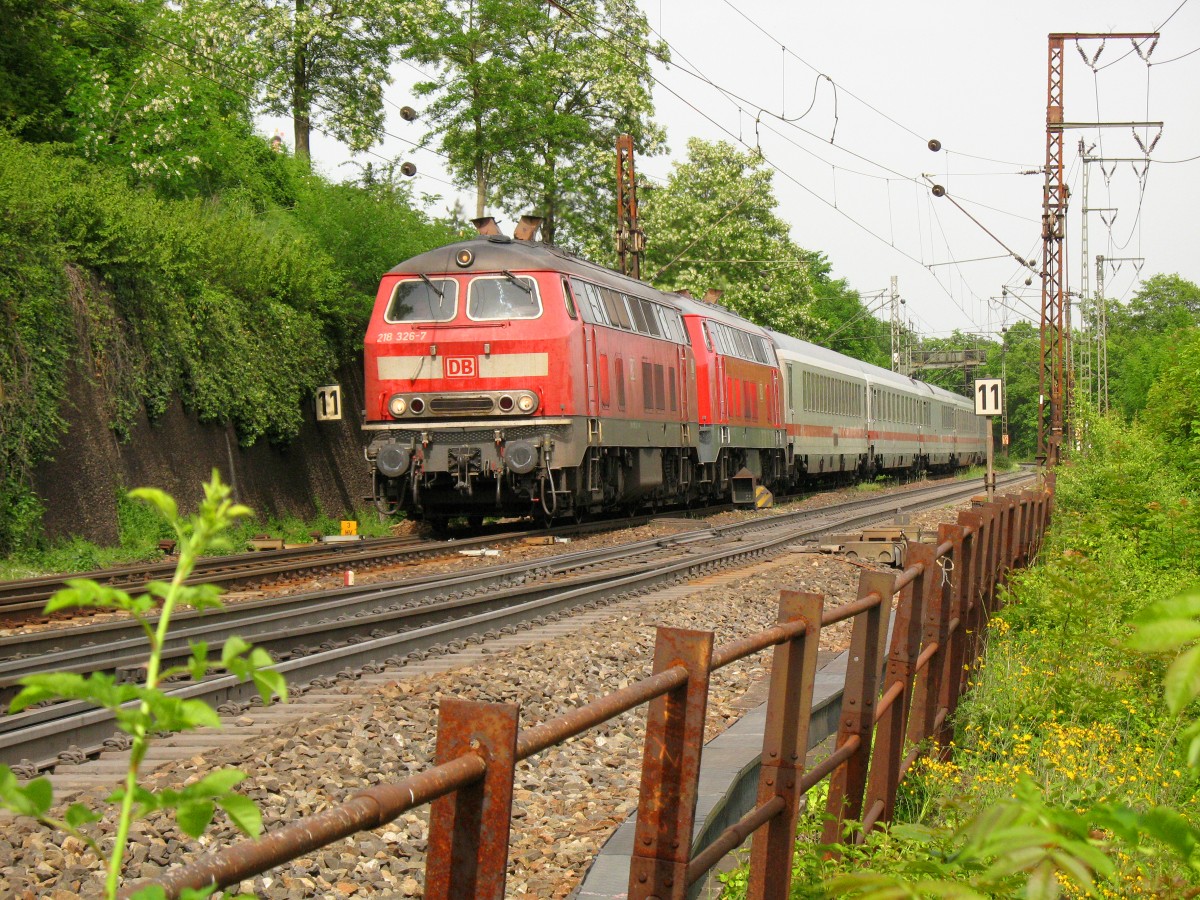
{"x": 501, "y": 298}
{"x": 414, "y": 300}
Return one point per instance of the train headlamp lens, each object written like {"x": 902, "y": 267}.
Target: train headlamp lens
{"x": 526, "y": 403}
{"x": 464, "y": 258}
{"x": 505, "y": 403}
{"x": 396, "y": 406}
{"x": 417, "y": 405}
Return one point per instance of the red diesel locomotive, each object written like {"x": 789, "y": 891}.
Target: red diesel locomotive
{"x": 508, "y": 378}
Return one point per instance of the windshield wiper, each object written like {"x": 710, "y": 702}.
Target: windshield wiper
{"x": 433, "y": 287}
{"x": 515, "y": 280}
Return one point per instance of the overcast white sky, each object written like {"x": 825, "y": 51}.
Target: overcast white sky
{"x": 969, "y": 74}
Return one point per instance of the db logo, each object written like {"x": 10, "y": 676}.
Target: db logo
{"x": 461, "y": 367}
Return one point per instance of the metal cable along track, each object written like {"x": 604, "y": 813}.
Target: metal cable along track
{"x": 31, "y": 740}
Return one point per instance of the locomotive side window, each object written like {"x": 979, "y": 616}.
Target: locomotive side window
{"x": 418, "y": 300}
{"x": 591, "y": 297}
{"x": 648, "y": 313}
{"x": 639, "y": 316}
{"x": 569, "y": 300}
{"x": 617, "y": 313}
{"x": 495, "y": 298}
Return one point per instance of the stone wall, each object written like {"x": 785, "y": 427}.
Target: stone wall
{"x": 322, "y": 468}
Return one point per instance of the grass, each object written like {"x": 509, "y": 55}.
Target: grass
{"x": 140, "y": 530}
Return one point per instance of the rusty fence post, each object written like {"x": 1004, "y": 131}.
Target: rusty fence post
{"x": 468, "y": 830}
{"x": 1026, "y": 507}
{"x": 671, "y": 769}
{"x": 867, "y": 645}
{"x": 888, "y": 752}
{"x": 935, "y": 626}
{"x": 972, "y": 575}
{"x": 954, "y": 604}
{"x": 988, "y": 574}
{"x": 785, "y": 745}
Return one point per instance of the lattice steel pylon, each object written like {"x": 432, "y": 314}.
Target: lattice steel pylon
{"x": 1054, "y": 377}
{"x": 1051, "y": 379}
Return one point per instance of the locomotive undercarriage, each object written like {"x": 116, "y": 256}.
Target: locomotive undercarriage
{"x": 544, "y": 471}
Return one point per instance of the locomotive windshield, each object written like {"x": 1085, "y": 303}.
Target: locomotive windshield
{"x": 503, "y": 297}
{"x": 423, "y": 300}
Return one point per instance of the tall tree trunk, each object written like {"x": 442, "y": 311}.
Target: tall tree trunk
{"x": 301, "y": 103}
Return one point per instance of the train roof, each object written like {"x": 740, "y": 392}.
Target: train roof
{"x": 494, "y": 253}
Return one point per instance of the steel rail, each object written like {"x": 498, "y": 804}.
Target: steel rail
{"x": 37, "y": 735}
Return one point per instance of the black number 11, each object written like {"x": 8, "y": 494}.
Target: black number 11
{"x": 995, "y": 404}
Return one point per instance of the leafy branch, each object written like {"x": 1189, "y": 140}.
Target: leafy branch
{"x": 144, "y": 710}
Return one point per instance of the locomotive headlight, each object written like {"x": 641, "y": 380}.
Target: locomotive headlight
{"x": 527, "y": 403}
{"x": 397, "y": 406}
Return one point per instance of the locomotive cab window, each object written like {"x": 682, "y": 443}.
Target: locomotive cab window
{"x": 569, "y": 299}
{"x": 502, "y": 298}
{"x": 423, "y": 300}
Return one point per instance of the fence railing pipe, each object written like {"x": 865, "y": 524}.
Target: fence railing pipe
{"x": 853, "y": 608}
{"x": 733, "y": 836}
{"x": 362, "y": 811}
{"x": 748, "y": 646}
{"x": 534, "y": 740}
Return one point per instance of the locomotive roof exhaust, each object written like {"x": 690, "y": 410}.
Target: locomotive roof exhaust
{"x": 486, "y": 225}
{"x": 527, "y": 228}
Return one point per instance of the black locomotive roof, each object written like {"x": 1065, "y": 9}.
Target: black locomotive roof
{"x": 496, "y": 253}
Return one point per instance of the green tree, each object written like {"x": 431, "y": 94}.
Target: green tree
{"x": 531, "y": 101}
{"x": 324, "y": 62}
{"x": 1141, "y": 337}
{"x": 1018, "y": 360}
{"x": 714, "y": 226}
{"x": 475, "y": 45}
{"x": 843, "y": 322}
{"x": 1173, "y": 402}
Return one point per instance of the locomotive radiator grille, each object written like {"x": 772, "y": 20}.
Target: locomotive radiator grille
{"x": 459, "y": 405}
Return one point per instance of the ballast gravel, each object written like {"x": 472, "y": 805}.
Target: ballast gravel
{"x": 567, "y": 799}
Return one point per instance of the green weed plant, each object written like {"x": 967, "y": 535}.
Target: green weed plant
{"x": 144, "y": 710}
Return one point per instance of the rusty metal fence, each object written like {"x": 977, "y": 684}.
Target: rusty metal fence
{"x": 897, "y": 703}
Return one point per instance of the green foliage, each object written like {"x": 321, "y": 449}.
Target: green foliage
{"x": 532, "y": 101}
{"x": 1173, "y": 402}
{"x": 715, "y": 226}
{"x": 145, "y": 710}
{"x": 1142, "y": 337}
{"x": 324, "y": 62}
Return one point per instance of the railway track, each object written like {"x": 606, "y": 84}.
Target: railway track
{"x": 22, "y": 601}
{"x": 337, "y": 634}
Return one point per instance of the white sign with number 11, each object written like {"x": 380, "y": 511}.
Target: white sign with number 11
{"x": 989, "y": 397}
